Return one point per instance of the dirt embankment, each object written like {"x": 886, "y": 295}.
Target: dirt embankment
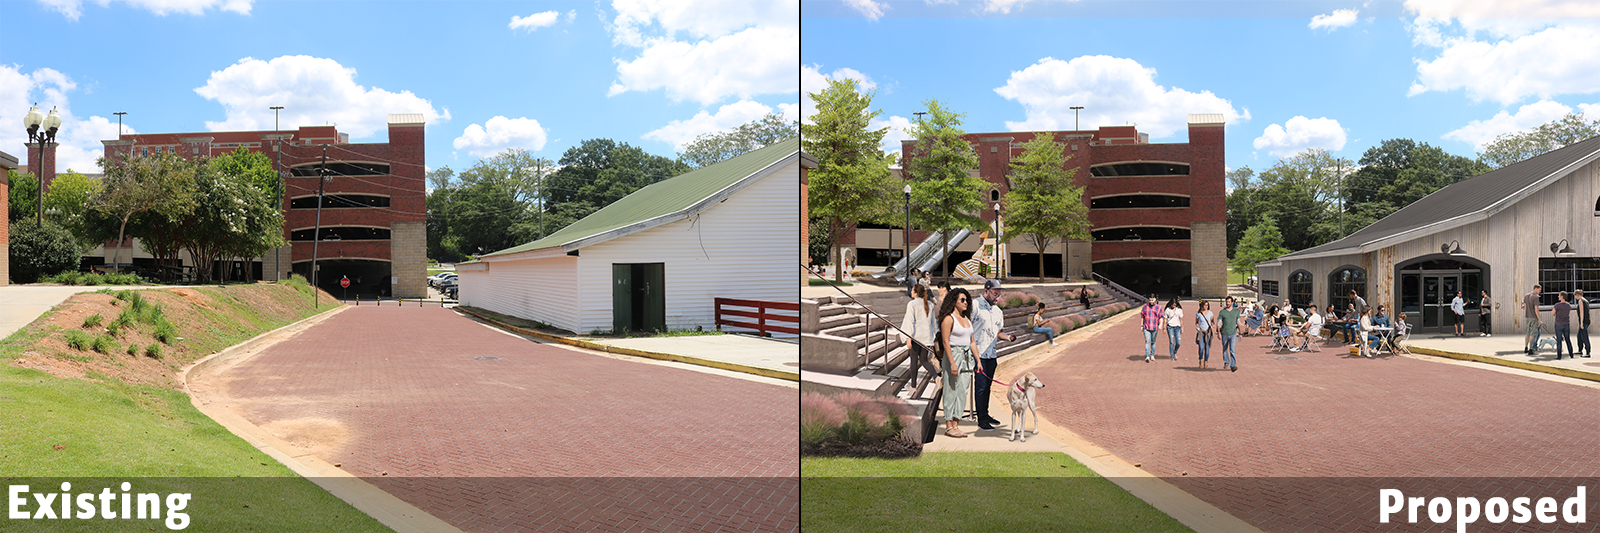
{"x": 202, "y": 320}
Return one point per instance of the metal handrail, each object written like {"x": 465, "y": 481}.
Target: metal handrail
{"x": 1115, "y": 286}
{"x": 915, "y": 370}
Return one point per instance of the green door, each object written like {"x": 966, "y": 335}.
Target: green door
{"x": 653, "y": 296}
{"x": 622, "y": 288}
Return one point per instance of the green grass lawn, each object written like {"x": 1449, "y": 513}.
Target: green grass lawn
{"x": 966, "y": 491}
{"x": 1235, "y": 278}
{"x": 101, "y": 432}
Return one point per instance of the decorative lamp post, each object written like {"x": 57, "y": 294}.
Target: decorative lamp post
{"x": 906, "y": 236}
{"x": 33, "y": 121}
{"x": 997, "y": 240}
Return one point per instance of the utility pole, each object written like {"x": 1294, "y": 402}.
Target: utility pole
{"x": 316, "y": 234}
{"x": 278, "y": 255}
{"x": 1339, "y": 175}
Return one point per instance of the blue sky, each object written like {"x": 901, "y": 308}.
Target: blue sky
{"x": 1288, "y": 75}
{"x": 543, "y": 76}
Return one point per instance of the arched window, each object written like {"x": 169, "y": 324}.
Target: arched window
{"x": 1344, "y": 280}
{"x": 1300, "y": 288}
{"x": 994, "y": 195}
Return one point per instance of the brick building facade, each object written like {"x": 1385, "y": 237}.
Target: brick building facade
{"x": 374, "y": 207}
{"x": 1158, "y": 210}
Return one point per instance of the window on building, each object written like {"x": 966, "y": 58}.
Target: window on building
{"x": 994, "y": 195}
{"x": 1142, "y": 233}
{"x": 1569, "y": 274}
{"x": 1344, "y": 280}
{"x": 336, "y": 201}
{"x": 342, "y": 233}
{"x": 1269, "y": 287}
{"x": 1300, "y": 288}
{"x": 343, "y": 168}
{"x": 1138, "y": 201}
{"x": 1140, "y": 169}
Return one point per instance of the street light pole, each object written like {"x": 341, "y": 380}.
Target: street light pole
{"x": 1075, "y": 116}
{"x": 905, "y": 236}
{"x": 119, "y": 115}
{"x": 997, "y": 273}
{"x": 277, "y": 256}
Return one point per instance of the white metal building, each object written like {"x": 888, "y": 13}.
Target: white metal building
{"x": 658, "y": 257}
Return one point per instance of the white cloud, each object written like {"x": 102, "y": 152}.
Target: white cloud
{"x": 500, "y": 133}
{"x": 73, "y": 9}
{"x": 1300, "y": 133}
{"x": 733, "y": 48}
{"x": 1112, "y": 90}
{"x": 812, "y": 80}
{"x": 680, "y": 132}
{"x": 1507, "y": 51}
{"x": 571, "y": 16}
{"x": 867, "y": 8}
{"x": 899, "y": 130}
{"x": 1479, "y": 132}
{"x": 1340, "y": 18}
{"x": 313, "y": 91}
{"x": 1002, "y": 6}
{"x": 79, "y": 138}
{"x": 535, "y": 21}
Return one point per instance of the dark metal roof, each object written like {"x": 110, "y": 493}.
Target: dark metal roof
{"x": 1466, "y": 196}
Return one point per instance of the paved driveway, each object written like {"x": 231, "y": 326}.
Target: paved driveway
{"x": 492, "y": 432}
{"x": 1262, "y": 443}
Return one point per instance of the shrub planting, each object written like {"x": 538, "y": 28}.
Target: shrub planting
{"x": 855, "y": 425}
{"x": 93, "y": 320}
{"x": 38, "y": 251}
{"x": 79, "y": 340}
{"x": 1014, "y": 299}
{"x": 104, "y": 344}
{"x": 153, "y": 351}
{"x": 133, "y": 349}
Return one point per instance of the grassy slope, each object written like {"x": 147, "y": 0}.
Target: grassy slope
{"x": 966, "y": 491}
{"x": 116, "y": 431}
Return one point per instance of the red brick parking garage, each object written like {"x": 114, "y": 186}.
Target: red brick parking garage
{"x": 492, "y": 432}
{"x": 1265, "y": 443}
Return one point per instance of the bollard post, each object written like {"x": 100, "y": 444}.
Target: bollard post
{"x": 358, "y": 299}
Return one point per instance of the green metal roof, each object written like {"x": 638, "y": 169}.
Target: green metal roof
{"x": 657, "y": 200}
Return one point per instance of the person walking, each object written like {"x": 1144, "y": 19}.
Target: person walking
{"x": 1562, "y": 313}
{"x": 1150, "y": 316}
{"x": 1037, "y": 323}
{"x": 1583, "y": 323}
{"x": 1359, "y": 303}
{"x": 1485, "y": 308}
{"x": 1173, "y": 315}
{"x": 1530, "y": 314}
{"x": 1203, "y": 332}
{"x": 912, "y": 280}
{"x": 1458, "y": 307}
{"x": 1228, "y": 329}
{"x": 987, "y": 319}
{"x": 918, "y": 323}
{"x": 955, "y": 346}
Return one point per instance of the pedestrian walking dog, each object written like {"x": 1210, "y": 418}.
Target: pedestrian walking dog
{"x": 1021, "y": 395}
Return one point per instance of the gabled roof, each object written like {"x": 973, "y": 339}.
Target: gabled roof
{"x": 1463, "y": 202}
{"x": 666, "y": 201}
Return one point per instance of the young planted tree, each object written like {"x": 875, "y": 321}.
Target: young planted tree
{"x": 1044, "y": 203}
{"x": 160, "y": 184}
{"x": 943, "y": 195}
{"x": 852, "y": 181}
{"x": 1261, "y": 243}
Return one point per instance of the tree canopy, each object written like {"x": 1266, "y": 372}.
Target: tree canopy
{"x": 852, "y": 181}
{"x": 1044, "y": 203}
{"x": 944, "y": 196}
{"x": 1513, "y": 147}
{"x": 1261, "y": 243}
{"x": 710, "y": 148}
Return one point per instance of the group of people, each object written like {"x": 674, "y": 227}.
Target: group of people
{"x": 1561, "y": 313}
{"x": 1223, "y": 325}
{"x": 1296, "y": 329}
{"x": 962, "y": 331}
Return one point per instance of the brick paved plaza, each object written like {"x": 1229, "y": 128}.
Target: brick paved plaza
{"x": 1218, "y": 434}
{"x": 397, "y": 395}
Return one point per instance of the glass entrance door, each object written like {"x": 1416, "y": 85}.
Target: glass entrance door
{"x": 1437, "y": 292}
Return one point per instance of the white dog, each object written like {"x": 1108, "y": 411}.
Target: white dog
{"x": 1021, "y": 395}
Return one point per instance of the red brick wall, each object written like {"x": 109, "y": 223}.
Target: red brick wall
{"x": 44, "y": 165}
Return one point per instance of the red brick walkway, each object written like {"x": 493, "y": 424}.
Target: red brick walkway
{"x": 479, "y": 442}
{"x": 1324, "y": 415}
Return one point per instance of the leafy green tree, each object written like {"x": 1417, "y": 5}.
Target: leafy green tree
{"x": 852, "y": 181}
{"x": 1261, "y": 243}
{"x": 944, "y": 196}
{"x": 1298, "y": 192}
{"x": 491, "y": 206}
{"x": 160, "y": 184}
{"x": 67, "y": 203}
{"x": 596, "y": 173}
{"x": 819, "y": 244}
{"x": 711, "y": 148}
{"x": 1513, "y": 147}
{"x": 1044, "y": 203}
{"x": 23, "y": 197}
{"x": 233, "y": 216}
{"x": 37, "y": 251}
{"x": 1392, "y": 175}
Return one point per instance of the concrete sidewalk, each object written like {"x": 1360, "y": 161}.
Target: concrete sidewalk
{"x": 22, "y": 304}
{"x": 772, "y": 354}
{"x": 1506, "y": 350}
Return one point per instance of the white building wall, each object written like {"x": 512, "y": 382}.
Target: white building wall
{"x": 545, "y": 290}
{"x": 740, "y": 248}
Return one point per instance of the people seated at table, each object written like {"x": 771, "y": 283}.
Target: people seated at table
{"x": 1310, "y": 330}
{"x": 1253, "y": 318}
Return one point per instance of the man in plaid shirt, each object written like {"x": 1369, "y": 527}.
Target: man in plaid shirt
{"x": 1151, "y": 313}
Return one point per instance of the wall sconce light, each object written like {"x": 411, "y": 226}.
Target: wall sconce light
{"x": 1562, "y": 249}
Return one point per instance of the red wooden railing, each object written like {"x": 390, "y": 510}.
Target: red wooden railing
{"x": 762, "y": 314}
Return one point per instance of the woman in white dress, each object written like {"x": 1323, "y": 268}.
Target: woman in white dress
{"x": 956, "y": 347}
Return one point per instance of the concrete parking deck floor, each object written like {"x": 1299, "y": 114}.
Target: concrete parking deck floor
{"x": 491, "y": 432}
{"x": 1303, "y": 441}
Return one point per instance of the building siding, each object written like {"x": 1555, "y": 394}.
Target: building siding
{"x": 737, "y": 249}
{"x": 545, "y": 290}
